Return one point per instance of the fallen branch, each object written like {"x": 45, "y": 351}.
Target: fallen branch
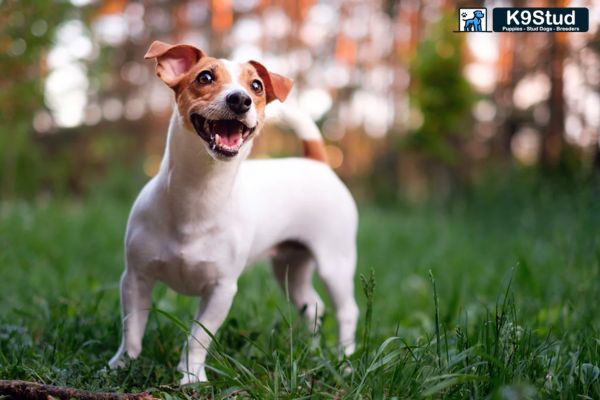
{"x": 37, "y": 391}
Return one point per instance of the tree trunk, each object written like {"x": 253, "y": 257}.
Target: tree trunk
{"x": 553, "y": 139}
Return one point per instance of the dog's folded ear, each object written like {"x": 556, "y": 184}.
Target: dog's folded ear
{"x": 276, "y": 86}
{"x": 173, "y": 61}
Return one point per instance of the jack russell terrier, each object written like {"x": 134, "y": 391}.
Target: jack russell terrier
{"x": 208, "y": 214}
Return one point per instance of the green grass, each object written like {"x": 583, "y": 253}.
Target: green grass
{"x": 510, "y": 309}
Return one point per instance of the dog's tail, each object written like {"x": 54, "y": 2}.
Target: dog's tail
{"x": 305, "y": 128}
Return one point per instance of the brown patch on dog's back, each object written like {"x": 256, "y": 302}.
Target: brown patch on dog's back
{"x": 315, "y": 150}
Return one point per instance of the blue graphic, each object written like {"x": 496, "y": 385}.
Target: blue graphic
{"x": 473, "y": 24}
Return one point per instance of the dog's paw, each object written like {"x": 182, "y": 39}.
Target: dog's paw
{"x": 347, "y": 370}
{"x": 190, "y": 378}
{"x": 118, "y": 361}
{"x": 122, "y": 357}
{"x": 195, "y": 374}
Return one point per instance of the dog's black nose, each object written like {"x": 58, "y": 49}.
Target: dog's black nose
{"x": 239, "y": 102}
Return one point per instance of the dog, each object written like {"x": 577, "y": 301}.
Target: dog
{"x": 209, "y": 213}
{"x": 474, "y": 24}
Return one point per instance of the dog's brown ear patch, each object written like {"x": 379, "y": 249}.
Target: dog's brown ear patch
{"x": 173, "y": 61}
{"x": 276, "y": 86}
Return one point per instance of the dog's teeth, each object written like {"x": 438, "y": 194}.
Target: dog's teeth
{"x": 217, "y": 139}
{"x": 238, "y": 143}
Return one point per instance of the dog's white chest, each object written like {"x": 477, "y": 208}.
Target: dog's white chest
{"x": 189, "y": 267}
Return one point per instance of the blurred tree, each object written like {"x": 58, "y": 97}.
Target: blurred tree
{"x": 27, "y": 31}
{"x": 440, "y": 103}
{"x": 553, "y": 139}
{"x": 440, "y": 96}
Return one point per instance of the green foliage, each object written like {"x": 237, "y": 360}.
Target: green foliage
{"x": 28, "y": 29}
{"x": 513, "y": 313}
{"x": 440, "y": 96}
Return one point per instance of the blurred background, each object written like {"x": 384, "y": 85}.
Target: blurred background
{"x": 409, "y": 109}
{"x": 474, "y": 157}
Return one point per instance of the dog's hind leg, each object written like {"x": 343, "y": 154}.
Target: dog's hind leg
{"x": 136, "y": 295}
{"x": 336, "y": 268}
{"x": 295, "y": 263}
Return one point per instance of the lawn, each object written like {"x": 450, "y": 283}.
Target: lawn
{"x": 492, "y": 294}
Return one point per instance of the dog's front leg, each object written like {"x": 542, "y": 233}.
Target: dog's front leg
{"x": 213, "y": 310}
{"x": 136, "y": 295}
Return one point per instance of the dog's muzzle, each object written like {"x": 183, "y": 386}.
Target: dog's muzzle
{"x": 224, "y": 136}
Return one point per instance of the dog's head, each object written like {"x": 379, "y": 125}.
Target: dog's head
{"x": 478, "y": 14}
{"x": 220, "y": 100}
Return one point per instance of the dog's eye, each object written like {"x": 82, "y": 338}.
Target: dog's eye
{"x": 205, "y": 77}
{"x": 257, "y": 86}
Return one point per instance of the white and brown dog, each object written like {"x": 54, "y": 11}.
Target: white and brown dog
{"x": 208, "y": 214}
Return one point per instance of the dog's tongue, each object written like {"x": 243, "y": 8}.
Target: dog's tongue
{"x": 229, "y": 131}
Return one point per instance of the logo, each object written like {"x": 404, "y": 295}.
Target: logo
{"x": 568, "y": 19}
{"x": 472, "y": 20}
{"x": 524, "y": 19}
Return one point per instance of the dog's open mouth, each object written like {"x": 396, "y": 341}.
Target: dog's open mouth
{"x": 224, "y": 136}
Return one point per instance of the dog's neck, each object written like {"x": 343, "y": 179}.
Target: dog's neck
{"x": 198, "y": 187}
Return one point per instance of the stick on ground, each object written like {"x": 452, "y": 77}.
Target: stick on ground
{"x": 37, "y": 391}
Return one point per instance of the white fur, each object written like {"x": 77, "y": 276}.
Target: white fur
{"x": 201, "y": 221}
